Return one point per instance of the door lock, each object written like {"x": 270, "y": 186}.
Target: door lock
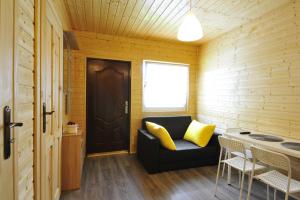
{"x": 8, "y": 125}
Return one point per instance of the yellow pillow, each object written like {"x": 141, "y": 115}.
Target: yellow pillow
{"x": 199, "y": 133}
{"x": 162, "y": 134}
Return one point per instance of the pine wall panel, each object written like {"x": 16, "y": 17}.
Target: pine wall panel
{"x": 24, "y": 98}
{"x": 250, "y": 77}
{"x": 134, "y": 50}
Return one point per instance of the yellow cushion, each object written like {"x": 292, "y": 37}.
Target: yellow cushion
{"x": 162, "y": 134}
{"x": 199, "y": 133}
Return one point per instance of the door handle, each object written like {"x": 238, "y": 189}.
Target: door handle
{"x": 49, "y": 113}
{"x": 45, "y": 113}
{"x": 126, "y": 107}
{"x": 8, "y": 125}
{"x": 18, "y": 124}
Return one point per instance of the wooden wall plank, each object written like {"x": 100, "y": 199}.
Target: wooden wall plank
{"x": 249, "y": 77}
{"x": 24, "y": 97}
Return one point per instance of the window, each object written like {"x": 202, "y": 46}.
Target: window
{"x": 165, "y": 86}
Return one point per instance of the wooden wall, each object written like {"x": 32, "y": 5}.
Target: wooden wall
{"x": 134, "y": 50}
{"x": 24, "y": 97}
{"x": 250, "y": 77}
{"x": 66, "y": 61}
{"x": 62, "y": 13}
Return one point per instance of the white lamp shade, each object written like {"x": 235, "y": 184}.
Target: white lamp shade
{"x": 190, "y": 29}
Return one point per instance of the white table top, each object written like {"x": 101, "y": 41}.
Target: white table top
{"x": 274, "y": 146}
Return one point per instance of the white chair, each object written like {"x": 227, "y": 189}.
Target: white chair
{"x": 227, "y": 156}
{"x": 241, "y": 163}
{"x": 274, "y": 178}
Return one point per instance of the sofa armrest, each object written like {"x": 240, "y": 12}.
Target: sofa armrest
{"x": 214, "y": 140}
{"x": 148, "y": 150}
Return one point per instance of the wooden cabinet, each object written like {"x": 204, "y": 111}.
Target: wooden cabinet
{"x": 73, "y": 154}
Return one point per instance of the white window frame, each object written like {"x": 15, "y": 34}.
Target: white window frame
{"x": 167, "y": 109}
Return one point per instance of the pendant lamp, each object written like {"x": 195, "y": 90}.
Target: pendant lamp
{"x": 190, "y": 29}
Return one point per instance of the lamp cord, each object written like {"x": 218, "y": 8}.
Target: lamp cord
{"x": 190, "y": 5}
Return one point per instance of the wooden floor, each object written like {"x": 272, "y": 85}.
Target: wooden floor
{"x": 122, "y": 177}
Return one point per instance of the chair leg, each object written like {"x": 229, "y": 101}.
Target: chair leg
{"x": 250, "y": 185}
{"x": 229, "y": 170}
{"x": 218, "y": 172}
{"x": 239, "y": 172}
{"x": 224, "y": 165}
{"x": 223, "y": 170}
{"x": 268, "y": 196}
{"x": 242, "y": 185}
{"x": 249, "y": 178}
{"x": 286, "y": 196}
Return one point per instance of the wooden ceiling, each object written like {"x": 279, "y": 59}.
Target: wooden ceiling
{"x": 160, "y": 19}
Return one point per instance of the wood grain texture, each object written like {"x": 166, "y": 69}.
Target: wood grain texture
{"x": 107, "y": 123}
{"x": 51, "y": 88}
{"x": 250, "y": 77}
{"x": 122, "y": 177}
{"x": 66, "y": 92}
{"x": 72, "y": 161}
{"x": 6, "y": 90}
{"x": 160, "y": 19}
{"x": 24, "y": 97}
{"x": 62, "y": 13}
{"x": 134, "y": 50}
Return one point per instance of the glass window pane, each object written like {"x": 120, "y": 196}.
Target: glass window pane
{"x": 165, "y": 86}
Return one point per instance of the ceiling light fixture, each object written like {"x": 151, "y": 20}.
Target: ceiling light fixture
{"x": 190, "y": 29}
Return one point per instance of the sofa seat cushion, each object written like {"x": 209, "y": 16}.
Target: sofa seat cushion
{"x": 186, "y": 152}
{"x": 185, "y": 145}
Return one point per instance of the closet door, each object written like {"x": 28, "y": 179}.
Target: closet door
{"x": 51, "y": 86}
{"x": 17, "y": 51}
{"x": 6, "y": 91}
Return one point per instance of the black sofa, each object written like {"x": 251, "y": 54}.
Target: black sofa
{"x": 155, "y": 158}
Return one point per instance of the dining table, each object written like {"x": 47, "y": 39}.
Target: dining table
{"x": 277, "y": 143}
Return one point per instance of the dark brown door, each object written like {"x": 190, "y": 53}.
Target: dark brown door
{"x": 108, "y": 85}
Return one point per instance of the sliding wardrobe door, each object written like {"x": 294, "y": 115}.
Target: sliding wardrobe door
{"x": 51, "y": 104}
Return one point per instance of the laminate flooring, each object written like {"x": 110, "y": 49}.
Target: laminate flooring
{"x": 122, "y": 177}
